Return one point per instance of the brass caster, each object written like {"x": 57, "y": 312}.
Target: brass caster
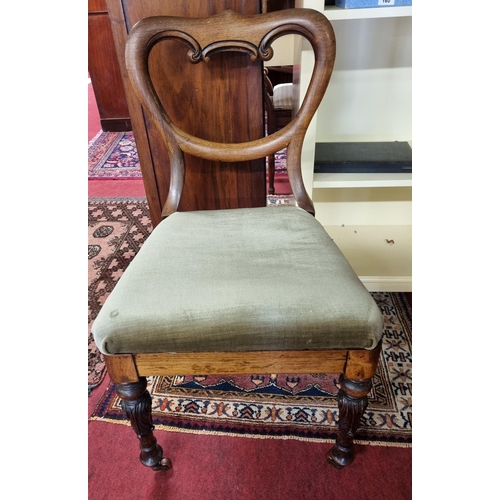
{"x": 165, "y": 464}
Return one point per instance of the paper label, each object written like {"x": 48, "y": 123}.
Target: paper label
{"x": 386, "y": 2}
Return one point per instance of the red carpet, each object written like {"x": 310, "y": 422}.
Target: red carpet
{"x": 108, "y": 188}
{"x": 220, "y": 467}
{"x": 230, "y": 468}
{"x": 281, "y": 185}
{"x": 114, "y": 188}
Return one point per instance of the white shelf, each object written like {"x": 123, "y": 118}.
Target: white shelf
{"x": 337, "y": 14}
{"x": 368, "y": 99}
{"x": 380, "y": 255}
{"x": 361, "y": 180}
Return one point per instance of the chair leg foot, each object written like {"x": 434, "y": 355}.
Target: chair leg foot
{"x": 352, "y": 400}
{"x": 136, "y": 404}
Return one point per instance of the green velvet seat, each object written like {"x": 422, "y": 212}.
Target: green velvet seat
{"x": 229, "y": 280}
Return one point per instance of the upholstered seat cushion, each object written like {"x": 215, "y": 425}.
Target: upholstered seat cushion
{"x": 233, "y": 280}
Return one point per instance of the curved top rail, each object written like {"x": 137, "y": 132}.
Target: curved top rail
{"x": 231, "y": 31}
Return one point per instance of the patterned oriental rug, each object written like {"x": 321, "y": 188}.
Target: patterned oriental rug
{"x": 113, "y": 155}
{"x": 286, "y": 406}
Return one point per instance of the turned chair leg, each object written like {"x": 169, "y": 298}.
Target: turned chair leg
{"x": 352, "y": 400}
{"x": 136, "y": 404}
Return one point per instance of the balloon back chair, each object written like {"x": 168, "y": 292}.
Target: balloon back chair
{"x": 199, "y": 297}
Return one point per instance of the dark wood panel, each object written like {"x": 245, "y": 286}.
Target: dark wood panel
{"x": 105, "y": 74}
{"x": 280, "y": 74}
{"x": 274, "y": 5}
{"x": 218, "y": 103}
{"x": 185, "y": 91}
{"x": 98, "y": 6}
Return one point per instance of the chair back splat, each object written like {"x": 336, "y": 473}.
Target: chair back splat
{"x": 231, "y": 31}
{"x": 200, "y": 296}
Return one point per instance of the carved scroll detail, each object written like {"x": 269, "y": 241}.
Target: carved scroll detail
{"x": 230, "y": 46}
{"x": 194, "y": 54}
{"x": 264, "y": 51}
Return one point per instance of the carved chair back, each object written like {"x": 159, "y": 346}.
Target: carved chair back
{"x": 231, "y": 31}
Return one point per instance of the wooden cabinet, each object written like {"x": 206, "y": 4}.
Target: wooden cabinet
{"x": 104, "y": 70}
{"x": 235, "y": 110}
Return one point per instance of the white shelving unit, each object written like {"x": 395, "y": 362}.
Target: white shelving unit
{"x": 368, "y": 99}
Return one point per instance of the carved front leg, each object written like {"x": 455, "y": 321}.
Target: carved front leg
{"x": 136, "y": 404}
{"x": 352, "y": 401}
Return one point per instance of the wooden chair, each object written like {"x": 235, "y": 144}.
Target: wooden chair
{"x": 199, "y": 297}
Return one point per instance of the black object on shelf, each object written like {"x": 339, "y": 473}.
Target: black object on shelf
{"x": 363, "y": 157}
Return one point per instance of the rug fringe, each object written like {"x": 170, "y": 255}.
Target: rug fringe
{"x": 168, "y": 428}
{"x": 117, "y": 198}
{"x": 94, "y": 139}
